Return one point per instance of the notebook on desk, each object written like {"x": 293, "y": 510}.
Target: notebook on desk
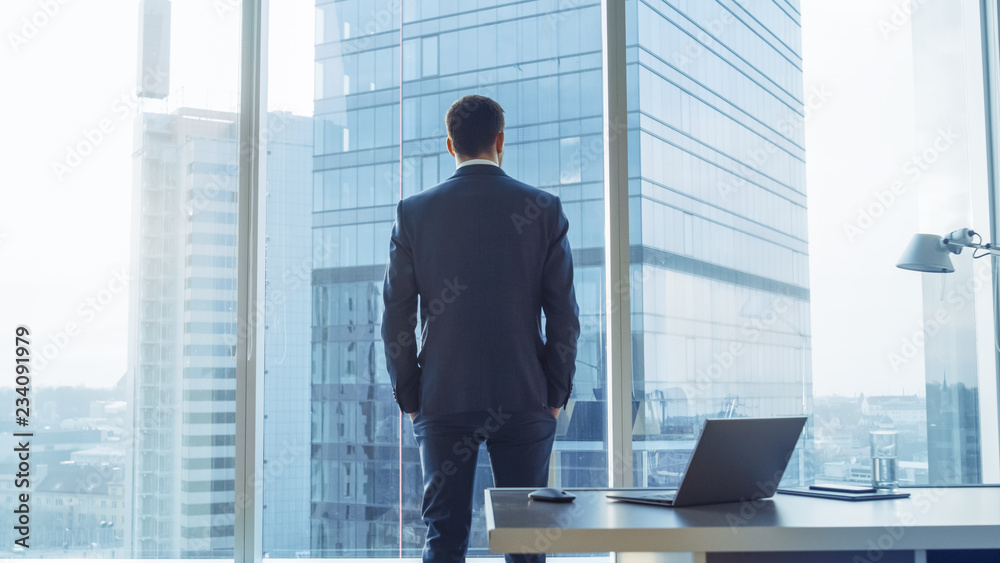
{"x": 877, "y": 495}
{"x": 734, "y": 459}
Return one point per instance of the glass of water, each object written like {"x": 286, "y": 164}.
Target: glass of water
{"x": 884, "y": 456}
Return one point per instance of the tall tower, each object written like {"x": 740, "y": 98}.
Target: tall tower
{"x": 184, "y": 369}
{"x": 719, "y": 245}
{"x": 183, "y": 364}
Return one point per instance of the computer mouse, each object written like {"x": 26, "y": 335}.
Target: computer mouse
{"x": 549, "y": 494}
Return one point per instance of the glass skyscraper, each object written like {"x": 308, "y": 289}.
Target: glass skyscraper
{"x": 717, "y": 214}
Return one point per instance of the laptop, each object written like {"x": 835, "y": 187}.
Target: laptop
{"x": 735, "y": 459}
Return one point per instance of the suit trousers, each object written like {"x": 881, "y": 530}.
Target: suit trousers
{"x": 519, "y": 446}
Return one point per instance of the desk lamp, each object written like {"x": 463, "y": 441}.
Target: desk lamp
{"x": 931, "y": 253}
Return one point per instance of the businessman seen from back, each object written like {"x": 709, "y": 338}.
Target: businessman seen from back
{"x": 475, "y": 261}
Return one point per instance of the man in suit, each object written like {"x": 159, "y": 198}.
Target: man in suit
{"x": 484, "y": 255}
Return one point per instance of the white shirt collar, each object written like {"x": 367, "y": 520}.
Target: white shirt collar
{"x": 477, "y": 161}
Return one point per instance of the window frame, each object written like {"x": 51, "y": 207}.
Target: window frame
{"x": 251, "y": 220}
{"x": 989, "y": 17}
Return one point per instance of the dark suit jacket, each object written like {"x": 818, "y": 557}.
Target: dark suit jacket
{"x": 485, "y": 254}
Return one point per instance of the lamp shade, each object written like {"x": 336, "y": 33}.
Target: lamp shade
{"x": 926, "y": 253}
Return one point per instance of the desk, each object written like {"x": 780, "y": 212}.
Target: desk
{"x": 956, "y": 518}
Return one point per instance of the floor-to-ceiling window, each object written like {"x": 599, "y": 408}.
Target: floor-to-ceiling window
{"x": 896, "y": 143}
{"x": 373, "y": 81}
{"x": 718, "y": 246}
{"x": 780, "y": 156}
{"x": 119, "y": 249}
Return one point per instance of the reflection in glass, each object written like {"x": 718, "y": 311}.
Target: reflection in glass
{"x": 364, "y": 485}
{"x": 182, "y": 365}
{"x": 720, "y": 297}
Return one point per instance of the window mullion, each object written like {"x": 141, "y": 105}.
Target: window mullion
{"x": 250, "y": 283}
{"x": 616, "y": 245}
{"x": 991, "y": 60}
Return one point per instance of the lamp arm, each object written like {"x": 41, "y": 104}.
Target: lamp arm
{"x": 956, "y": 246}
{"x": 955, "y": 241}
{"x": 962, "y": 235}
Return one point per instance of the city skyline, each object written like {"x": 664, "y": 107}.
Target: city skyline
{"x": 725, "y": 273}
{"x": 832, "y": 93}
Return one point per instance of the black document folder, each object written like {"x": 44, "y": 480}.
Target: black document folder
{"x": 879, "y": 495}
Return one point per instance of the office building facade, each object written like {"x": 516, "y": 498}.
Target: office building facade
{"x": 718, "y": 238}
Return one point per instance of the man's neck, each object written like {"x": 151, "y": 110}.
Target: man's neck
{"x": 461, "y": 161}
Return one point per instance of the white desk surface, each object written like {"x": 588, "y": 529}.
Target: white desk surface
{"x": 955, "y": 518}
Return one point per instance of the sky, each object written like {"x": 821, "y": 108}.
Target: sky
{"x": 857, "y": 142}
{"x": 65, "y": 232}
{"x": 63, "y": 238}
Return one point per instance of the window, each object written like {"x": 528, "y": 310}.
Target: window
{"x": 135, "y": 181}
{"x": 340, "y": 233}
{"x": 720, "y": 301}
{"x": 734, "y": 274}
{"x": 931, "y": 373}
{"x": 779, "y": 157}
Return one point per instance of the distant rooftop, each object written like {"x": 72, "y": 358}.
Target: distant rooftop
{"x": 70, "y": 478}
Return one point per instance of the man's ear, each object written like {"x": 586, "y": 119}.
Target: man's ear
{"x": 451, "y": 149}
{"x": 499, "y": 145}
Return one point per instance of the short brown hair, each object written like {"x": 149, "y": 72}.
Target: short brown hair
{"x": 473, "y": 124}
